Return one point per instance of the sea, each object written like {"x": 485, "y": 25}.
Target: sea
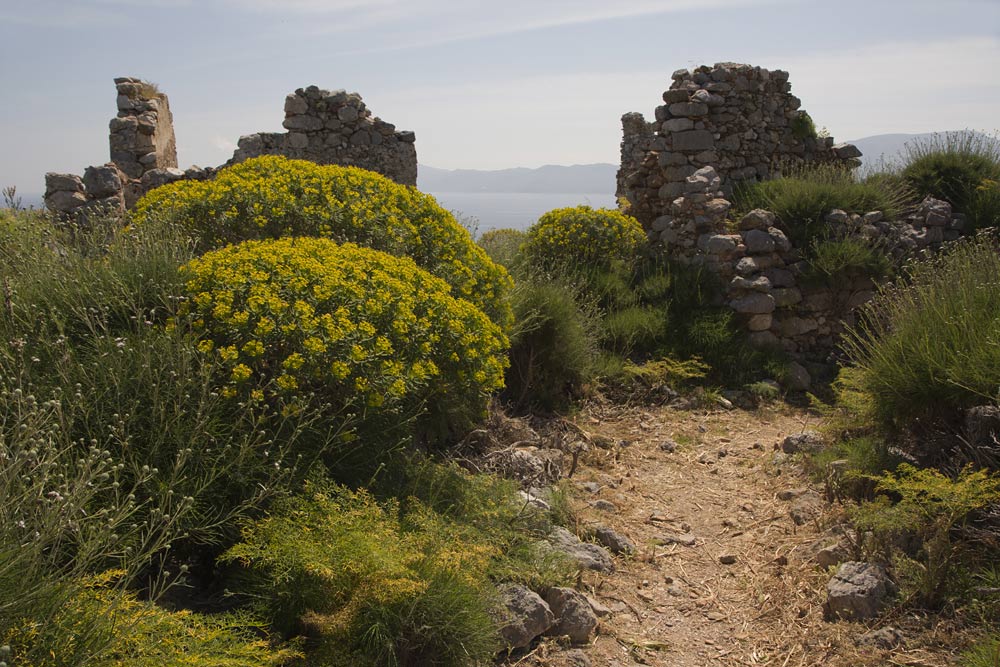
{"x": 482, "y": 211}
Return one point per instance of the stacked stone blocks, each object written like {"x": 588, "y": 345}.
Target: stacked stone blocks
{"x": 336, "y": 128}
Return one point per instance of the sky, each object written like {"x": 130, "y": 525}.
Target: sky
{"x": 485, "y": 84}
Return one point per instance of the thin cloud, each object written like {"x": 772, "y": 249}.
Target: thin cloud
{"x": 914, "y": 86}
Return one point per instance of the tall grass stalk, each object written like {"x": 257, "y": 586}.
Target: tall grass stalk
{"x": 929, "y": 346}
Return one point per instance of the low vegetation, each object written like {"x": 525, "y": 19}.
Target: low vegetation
{"x": 953, "y": 166}
{"x": 927, "y": 346}
{"x": 593, "y": 305}
{"x": 174, "y": 390}
{"x": 248, "y": 386}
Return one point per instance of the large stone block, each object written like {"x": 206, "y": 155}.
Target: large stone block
{"x": 858, "y": 591}
{"x": 695, "y": 109}
{"x": 527, "y": 615}
{"x": 303, "y": 123}
{"x": 102, "y": 181}
{"x": 755, "y": 303}
{"x": 692, "y": 140}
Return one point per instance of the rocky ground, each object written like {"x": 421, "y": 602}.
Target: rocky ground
{"x": 730, "y": 537}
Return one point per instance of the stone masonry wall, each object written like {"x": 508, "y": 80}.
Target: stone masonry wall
{"x": 325, "y": 127}
{"x": 766, "y": 280}
{"x": 731, "y": 122}
{"x": 336, "y": 128}
{"x": 142, "y": 135}
{"x": 739, "y": 119}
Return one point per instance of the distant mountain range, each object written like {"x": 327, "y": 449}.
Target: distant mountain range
{"x": 557, "y": 179}
{"x": 600, "y": 178}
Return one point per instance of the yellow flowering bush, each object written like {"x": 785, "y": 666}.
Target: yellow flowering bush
{"x": 272, "y": 197}
{"x": 361, "y": 329}
{"x": 102, "y": 626}
{"x": 369, "y": 585}
{"x": 583, "y": 236}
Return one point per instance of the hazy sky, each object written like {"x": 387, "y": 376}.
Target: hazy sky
{"x": 484, "y": 84}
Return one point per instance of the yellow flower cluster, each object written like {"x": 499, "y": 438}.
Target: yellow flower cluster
{"x": 360, "y": 328}
{"x": 583, "y": 236}
{"x": 273, "y": 197}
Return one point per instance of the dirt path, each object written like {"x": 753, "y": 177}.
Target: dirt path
{"x": 724, "y": 575}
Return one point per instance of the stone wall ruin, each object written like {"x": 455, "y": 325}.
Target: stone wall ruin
{"x": 324, "y": 127}
{"x": 723, "y": 124}
{"x": 336, "y": 128}
{"x": 741, "y": 120}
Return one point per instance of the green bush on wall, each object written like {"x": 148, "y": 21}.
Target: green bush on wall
{"x": 272, "y": 197}
{"x": 368, "y": 332}
{"x": 951, "y": 166}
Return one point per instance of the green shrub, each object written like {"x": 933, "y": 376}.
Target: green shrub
{"x": 930, "y": 505}
{"x": 503, "y": 246}
{"x": 271, "y": 197}
{"x": 551, "y": 346}
{"x": 374, "y": 588}
{"x": 139, "y": 634}
{"x": 712, "y": 335}
{"x": 984, "y": 654}
{"x": 928, "y": 348}
{"x": 834, "y": 259}
{"x": 804, "y": 197}
{"x": 583, "y": 238}
{"x": 952, "y": 165}
{"x": 67, "y": 510}
{"x": 87, "y": 332}
{"x": 983, "y": 209}
{"x": 633, "y": 330}
{"x": 803, "y": 127}
{"x": 362, "y": 330}
{"x": 484, "y": 509}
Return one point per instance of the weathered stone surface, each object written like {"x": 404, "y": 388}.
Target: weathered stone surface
{"x": 757, "y": 219}
{"x": 847, "y": 151}
{"x": 885, "y": 639}
{"x": 614, "y": 541}
{"x": 858, "y": 591}
{"x": 797, "y": 378}
{"x": 587, "y": 556}
{"x": 758, "y": 242}
{"x": 678, "y": 125}
{"x": 63, "y": 183}
{"x": 688, "y": 109}
{"x": 295, "y": 105}
{"x": 102, "y": 181}
{"x": 830, "y": 555}
{"x": 759, "y": 322}
{"x": 64, "y": 201}
{"x": 692, "y": 140}
{"x": 303, "y": 123}
{"x": 527, "y": 615}
{"x": 574, "y": 616}
{"x": 753, "y": 304}
{"x": 786, "y": 296}
{"x": 982, "y": 426}
{"x": 720, "y": 244}
{"x": 807, "y": 441}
